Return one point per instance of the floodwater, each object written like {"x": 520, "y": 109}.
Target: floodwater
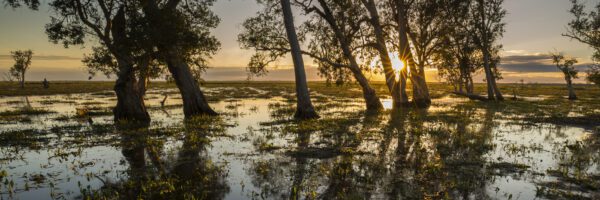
{"x": 456, "y": 149}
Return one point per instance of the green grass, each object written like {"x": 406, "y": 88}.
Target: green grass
{"x": 351, "y": 90}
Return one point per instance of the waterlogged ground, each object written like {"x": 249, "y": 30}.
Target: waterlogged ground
{"x": 66, "y": 147}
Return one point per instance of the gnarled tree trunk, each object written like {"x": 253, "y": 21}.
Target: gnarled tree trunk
{"x": 572, "y": 95}
{"x": 130, "y": 100}
{"x": 304, "y": 107}
{"x": 194, "y": 101}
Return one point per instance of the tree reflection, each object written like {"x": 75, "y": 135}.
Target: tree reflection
{"x": 416, "y": 155}
{"x": 190, "y": 174}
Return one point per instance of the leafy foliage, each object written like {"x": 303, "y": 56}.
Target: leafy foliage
{"x": 22, "y": 63}
{"x": 565, "y": 65}
{"x": 585, "y": 27}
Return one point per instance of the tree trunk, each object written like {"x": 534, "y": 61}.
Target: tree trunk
{"x": 470, "y": 85}
{"x": 22, "y": 80}
{"x": 423, "y": 99}
{"x": 572, "y": 95}
{"x": 194, "y": 101}
{"x": 130, "y": 101}
{"x": 142, "y": 84}
{"x": 304, "y": 107}
{"x": 497, "y": 92}
{"x": 420, "y": 95}
{"x": 371, "y": 99}
{"x": 488, "y": 75}
{"x": 390, "y": 74}
{"x": 493, "y": 92}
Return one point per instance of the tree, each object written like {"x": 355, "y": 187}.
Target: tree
{"x": 22, "y": 63}
{"x": 304, "y": 108}
{"x": 181, "y": 34}
{"x": 489, "y": 28}
{"x": 266, "y": 34}
{"x": 458, "y": 58}
{"x": 31, "y": 4}
{"x": 593, "y": 74}
{"x": 427, "y": 24}
{"x": 115, "y": 26}
{"x": 335, "y": 27}
{"x": 566, "y": 66}
{"x": 278, "y": 21}
{"x": 585, "y": 28}
{"x": 378, "y": 39}
{"x": 409, "y": 15}
{"x": 102, "y": 61}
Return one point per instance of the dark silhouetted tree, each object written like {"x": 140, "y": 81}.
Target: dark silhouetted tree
{"x": 31, "y": 4}
{"x": 266, "y": 34}
{"x": 115, "y": 26}
{"x": 181, "y": 34}
{"x": 459, "y": 57}
{"x": 566, "y": 66}
{"x": 488, "y": 29}
{"x": 379, "y": 39}
{"x": 585, "y": 28}
{"x": 22, "y": 64}
{"x": 593, "y": 74}
{"x": 336, "y": 28}
{"x": 278, "y": 13}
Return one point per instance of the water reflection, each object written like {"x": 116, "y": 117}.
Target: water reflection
{"x": 255, "y": 151}
{"x": 155, "y": 174}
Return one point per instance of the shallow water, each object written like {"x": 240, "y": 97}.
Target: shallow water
{"x": 254, "y": 151}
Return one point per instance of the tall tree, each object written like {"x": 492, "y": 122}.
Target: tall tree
{"x": 401, "y": 16}
{"x": 112, "y": 24}
{"x": 395, "y": 80}
{"x": 22, "y": 63}
{"x": 489, "y": 28}
{"x": 585, "y": 28}
{"x": 273, "y": 34}
{"x": 427, "y": 25}
{"x": 266, "y": 34}
{"x": 304, "y": 108}
{"x": 181, "y": 32}
{"x": 566, "y": 66}
{"x": 457, "y": 60}
{"x": 335, "y": 26}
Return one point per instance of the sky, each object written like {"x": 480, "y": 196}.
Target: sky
{"x": 533, "y": 30}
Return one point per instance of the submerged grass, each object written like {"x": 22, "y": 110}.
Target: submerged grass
{"x": 347, "y": 153}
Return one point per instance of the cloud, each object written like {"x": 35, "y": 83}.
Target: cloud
{"x": 533, "y": 63}
{"x": 42, "y": 57}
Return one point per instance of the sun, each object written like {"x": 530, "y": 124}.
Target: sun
{"x": 397, "y": 64}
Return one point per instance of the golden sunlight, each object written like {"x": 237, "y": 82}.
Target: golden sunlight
{"x": 397, "y": 64}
